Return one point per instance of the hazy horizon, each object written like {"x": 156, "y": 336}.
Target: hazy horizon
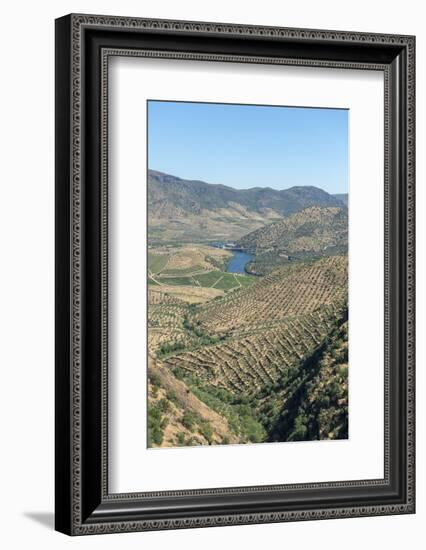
{"x": 245, "y": 146}
{"x": 198, "y": 179}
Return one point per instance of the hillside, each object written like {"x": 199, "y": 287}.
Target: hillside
{"x": 182, "y": 210}
{"x": 313, "y": 403}
{"x": 259, "y": 357}
{"x": 272, "y": 359}
{"x": 293, "y": 290}
{"x": 249, "y": 356}
{"x": 312, "y": 233}
{"x": 177, "y": 416}
{"x": 342, "y": 197}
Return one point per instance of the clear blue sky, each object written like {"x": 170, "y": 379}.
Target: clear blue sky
{"x": 247, "y": 146}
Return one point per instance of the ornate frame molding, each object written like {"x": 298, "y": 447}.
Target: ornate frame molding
{"x": 72, "y": 47}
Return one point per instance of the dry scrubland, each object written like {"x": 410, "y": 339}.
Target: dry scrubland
{"x": 180, "y": 413}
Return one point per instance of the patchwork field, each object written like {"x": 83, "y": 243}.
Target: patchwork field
{"x": 195, "y": 267}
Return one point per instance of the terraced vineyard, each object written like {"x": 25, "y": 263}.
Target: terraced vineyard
{"x": 159, "y": 297}
{"x": 245, "y": 353}
{"x": 166, "y": 315}
{"x": 248, "y": 362}
{"x": 291, "y": 291}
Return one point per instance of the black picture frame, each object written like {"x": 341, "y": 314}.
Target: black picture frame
{"x": 83, "y": 504}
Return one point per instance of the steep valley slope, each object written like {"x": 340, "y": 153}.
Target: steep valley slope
{"x": 309, "y": 234}
{"x": 248, "y": 354}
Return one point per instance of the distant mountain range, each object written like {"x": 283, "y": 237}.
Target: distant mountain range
{"x": 193, "y": 210}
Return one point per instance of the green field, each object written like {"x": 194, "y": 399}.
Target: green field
{"x": 244, "y": 280}
{"x": 183, "y": 271}
{"x": 168, "y": 268}
{"x": 208, "y": 279}
{"x": 157, "y": 262}
{"x": 177, "y": 281}
{"x": 230, "y": 281}
{"x": 212, "y": 279}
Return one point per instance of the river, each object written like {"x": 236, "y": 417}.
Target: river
{"x": 238, "y": 262}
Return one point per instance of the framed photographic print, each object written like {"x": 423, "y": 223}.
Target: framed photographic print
{"x": 234, "y": 274}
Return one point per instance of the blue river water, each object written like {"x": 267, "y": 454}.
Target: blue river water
{"x": 238, "y": 262}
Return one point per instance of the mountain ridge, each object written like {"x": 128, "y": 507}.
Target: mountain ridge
{"x": 311, "y": 192}
{"x": 164, "y": 177}
{"x": 189, "y": 210}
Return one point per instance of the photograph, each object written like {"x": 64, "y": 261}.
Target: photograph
{"x": 247, "y": 274}
{"x": 235, "y": 285}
